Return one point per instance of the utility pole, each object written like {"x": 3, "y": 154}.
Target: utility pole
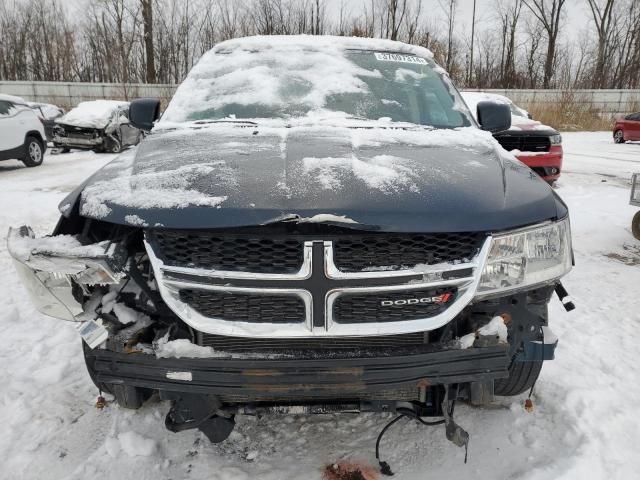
{"x": 473, "y": 31}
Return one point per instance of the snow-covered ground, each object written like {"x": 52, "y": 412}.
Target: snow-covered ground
{"x": 585, "y": 423}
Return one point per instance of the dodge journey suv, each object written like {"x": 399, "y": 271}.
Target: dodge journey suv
{"x": 315, "y": 224}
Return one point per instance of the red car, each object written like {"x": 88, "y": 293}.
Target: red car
{"x": 627, "y": 128}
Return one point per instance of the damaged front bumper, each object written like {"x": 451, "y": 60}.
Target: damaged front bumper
{"x": 266, "y": 379}
{"x": 88, "y": 142}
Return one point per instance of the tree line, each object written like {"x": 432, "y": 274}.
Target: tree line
{"x": 517, "y": 44}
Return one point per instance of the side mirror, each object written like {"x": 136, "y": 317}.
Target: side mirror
{"x": 494, "y": 117}
{"x": 143, "y": 112}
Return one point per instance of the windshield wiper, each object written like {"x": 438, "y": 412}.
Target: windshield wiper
{"x": 225, "y": 120}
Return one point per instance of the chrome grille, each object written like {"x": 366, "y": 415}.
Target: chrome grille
{"x": 319, "y": 299}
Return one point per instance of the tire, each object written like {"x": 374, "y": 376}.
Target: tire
{"x": 618, "y": 136}
{"x": 635, "y": 225}
{"x": 33, "y": 152}
{"x": 130, "y": 397}
{"x": 115, "y": 145}
{"x": 522, "y": 376}
{"x": 126, "y": 396}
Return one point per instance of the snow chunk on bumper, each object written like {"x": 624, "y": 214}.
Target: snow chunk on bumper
{"x": 495, "y": 327}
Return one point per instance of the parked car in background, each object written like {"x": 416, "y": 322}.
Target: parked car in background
{"x": 47, "y": 113}
{"x": 536, "y": 145}
{"x": 22, "y": 135}
{"x": 99, "y": 125}
{"x": 627, "y": 128}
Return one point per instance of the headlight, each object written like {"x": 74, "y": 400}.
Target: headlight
{"x": 527, "y": 257}
{"x": 556, "y": 139}
{"x": 55, "y": 270}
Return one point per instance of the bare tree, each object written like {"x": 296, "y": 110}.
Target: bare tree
{"x": 449, "y": 8}
{"x": 604, "y": 20}
{"x": 147, "y": 19}
{"x": 549, "y": 14}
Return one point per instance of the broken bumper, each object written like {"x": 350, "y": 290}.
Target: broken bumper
{"x": 77, "y": 142}
{"x": 337, "y": 378}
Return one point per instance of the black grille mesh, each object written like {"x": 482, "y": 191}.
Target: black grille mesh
{"x": 371, "y": 252}
{"x": 360, "y": 308}
{"x": 245, "y": 307}
{"x": 241, "y": 253}
{"x": 524, "y": 143}
{"x": 221, "y": 342}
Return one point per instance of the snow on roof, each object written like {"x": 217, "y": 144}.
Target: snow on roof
{"x": 94, "y": 114}
{"x": 317, "y": 42}
{"x": 306, "y": 69}
{"x": 12, "y": 98}
{"x": 49, "y": 110}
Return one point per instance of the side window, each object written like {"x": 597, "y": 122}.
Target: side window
{"x": 5, "y": 108}
{"x": 636, "y": 117}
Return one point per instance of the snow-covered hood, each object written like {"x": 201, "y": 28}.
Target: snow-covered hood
{"x": 394, "y": 180}
{"x": 94, "y": 114}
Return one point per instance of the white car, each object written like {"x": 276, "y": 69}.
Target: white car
{"x": 22, "y": 135}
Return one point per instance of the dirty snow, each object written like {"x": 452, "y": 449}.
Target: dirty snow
{"x": 94, "y": 114}
{"x": 584, "y": 425}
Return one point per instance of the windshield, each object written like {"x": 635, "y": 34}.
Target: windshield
{"x": 293, "y": 84}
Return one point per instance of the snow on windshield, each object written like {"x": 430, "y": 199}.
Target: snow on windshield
{"x": 293, "y": 77}
{"x": 95, "y": 114}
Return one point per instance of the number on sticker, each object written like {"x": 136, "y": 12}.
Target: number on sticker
{"x": 398, "y": 57}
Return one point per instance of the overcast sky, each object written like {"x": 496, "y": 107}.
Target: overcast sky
{"x": 576, "y": 14}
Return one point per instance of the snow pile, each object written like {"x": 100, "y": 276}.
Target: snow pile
{"x": 125, "y": 314}
{"x": 94, "y": 114}
{"x": 165, "y": 348}
{"x": 131, "y": 444}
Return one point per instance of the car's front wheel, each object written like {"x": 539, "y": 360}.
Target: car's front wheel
{"x": 635, "y": 225}
{"x": 33, "y": 152}
{"x": 522, "y": 376}
{"x": 618, "y": 136}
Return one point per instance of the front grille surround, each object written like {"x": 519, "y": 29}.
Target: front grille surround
{"x": 319, "y": 284}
